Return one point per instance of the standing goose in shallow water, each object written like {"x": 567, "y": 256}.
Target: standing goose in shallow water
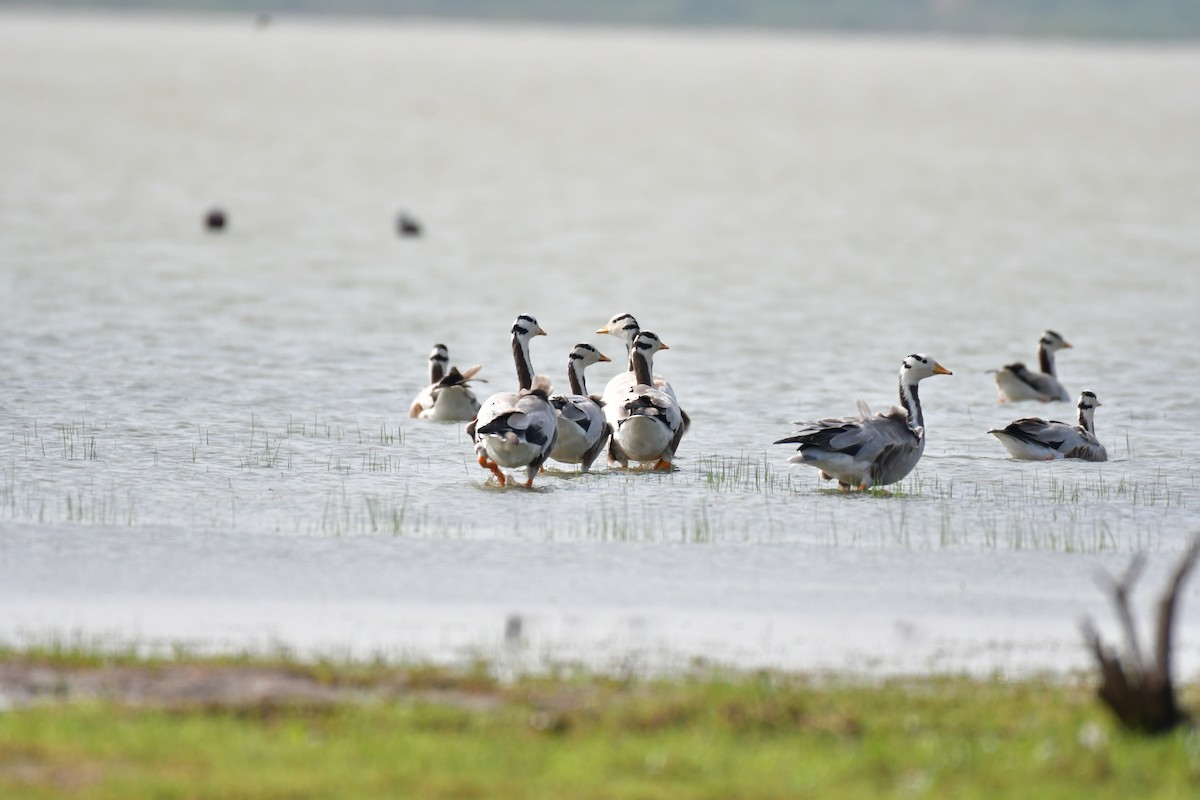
{"x": 1042, "y": 440}
{"x": 1017, "y": 382}
{"x": 647, "y": 423}
{"x": 870, "y": 450}
{"x": 582, "y": 430}
{"x": 448, "y": 398}
{"x": 517, "y": 429}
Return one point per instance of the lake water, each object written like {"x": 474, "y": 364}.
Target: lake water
{"x": 204, "y": 441}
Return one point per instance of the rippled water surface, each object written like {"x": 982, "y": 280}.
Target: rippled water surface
{"x": 203, "y": 438}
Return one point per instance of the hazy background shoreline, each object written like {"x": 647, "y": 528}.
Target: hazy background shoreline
{"x": 1073, "y": 19}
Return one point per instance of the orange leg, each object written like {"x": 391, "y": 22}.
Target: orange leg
{"x": 529, "y": 483}
{"x": 495, "y": 469}
{"x": 663, "y": 464}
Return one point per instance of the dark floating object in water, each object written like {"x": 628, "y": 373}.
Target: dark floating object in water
{"x": 407, "y": 225}
{"x": 215, "y": 220}
{"x": 1141, "y": 692}
{"x": 512, "y": 629}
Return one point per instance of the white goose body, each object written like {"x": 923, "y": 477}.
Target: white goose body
{"x": 626, "y": 328}
{"x": 647, "y": 423}
{"x": 1046, "y": 440}
{"x": 517, "y": 429}
{"x": 1016, "y": 382}
{"x": 582, "y": 430}
{"x": 870, "y": 449}
{"x": 448, "y": 398}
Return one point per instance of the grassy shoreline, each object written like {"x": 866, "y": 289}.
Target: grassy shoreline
{"x": 98, "y": 726}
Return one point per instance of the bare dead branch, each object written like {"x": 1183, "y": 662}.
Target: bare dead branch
{"x": 1141, "y": 696}
{"x": 1167, "y": 605}
{"x": 1119, "y": 591}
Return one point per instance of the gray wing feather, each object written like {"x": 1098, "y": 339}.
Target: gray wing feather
{"x": 883, "y": 432}
{"x": 1044, "y": 384}
{"x": 538, "y": 410}
{"x": 577, "y": 409}
{"x": 894, "y": 459}
{"x": 1048, "y": 432}
{"x": 863, "y": 439}
{"x": 569, "y": 408}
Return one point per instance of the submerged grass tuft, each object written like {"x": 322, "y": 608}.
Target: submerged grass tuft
{"x": 320, "y": 476}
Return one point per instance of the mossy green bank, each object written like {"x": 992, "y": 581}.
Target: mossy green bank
{"x": 428, "y": 732}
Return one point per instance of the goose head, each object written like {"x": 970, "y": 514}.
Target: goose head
{"x": 918, "y": 367}
{"x": 525, "y": 328}
{"x": 624, "y": 327}
{"x": 641, "y": 355}
{"x": 584, "y": 355}
{"x": 648, "y": 343}
{"x": 1053, "y": 342}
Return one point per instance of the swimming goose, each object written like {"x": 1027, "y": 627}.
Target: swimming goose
{"x": 626, "y": 328}
{"x": 1037, "y": 439}
{"x": 870, "y": 450}
{"x": 517, "y": 429}
{"x": 1017, "y": 382}
{"x": 647, "y": 423}
{"x": 448, "y": 398}
{"x": 582, "y": 430}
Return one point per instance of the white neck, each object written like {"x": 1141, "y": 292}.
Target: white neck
{"x": 911, "y": 401}
{"x": 575, "y": 376}
{"x": 1087, "y": 420}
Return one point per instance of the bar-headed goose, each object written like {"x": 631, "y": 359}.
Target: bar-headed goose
{"x": 625, "y": 328}
{"x": 1042, "y": 440}
{"x": 1017, "y": 382}
{"x": 517, "y": 429}
{"x": 647, "y": 423}
{"x": 870, "y": 450}
{"x": 448, "y": 398}
{"x": 582, "y": 430}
